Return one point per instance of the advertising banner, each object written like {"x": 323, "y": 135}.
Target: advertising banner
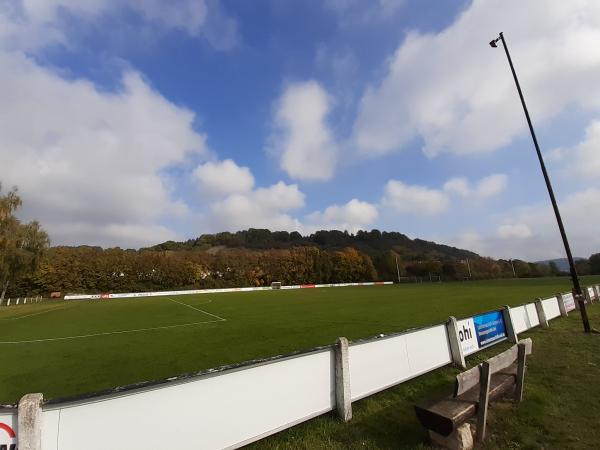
{"x": 467, "y": 336}
{"x": 8, "y": 435}
{"x": 490, "y": 328}
{"x": 475, "y": 333}
{"x": 569, "y": 302}
{"x": 591, "y": 293}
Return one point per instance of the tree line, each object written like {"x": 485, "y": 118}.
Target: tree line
{"x": 28, "y": 266}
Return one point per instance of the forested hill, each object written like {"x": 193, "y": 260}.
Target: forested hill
{"x": 257, "y": 258}
{"x": 371, "y": 242}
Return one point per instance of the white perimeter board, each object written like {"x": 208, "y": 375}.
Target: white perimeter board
{"x": 379, "y": 364}
{"x": 225, "y": 410}
{"x": 551, "y": 309}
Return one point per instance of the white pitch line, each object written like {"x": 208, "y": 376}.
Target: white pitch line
{"x": 197, "y": 309}
{"x": 139, "y": 330}
{"x": 35, "y": 314}
{"x": 107, "y": 333}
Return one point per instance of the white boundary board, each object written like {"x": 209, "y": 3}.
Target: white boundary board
{"x": 217, "y": 291}
{"x": 377, "y": 365}
{"x": 8, "y": 426}
{"x": 224, "y": 410}
{"x": 551, "y": 309}
{"x": 524, "y": 317}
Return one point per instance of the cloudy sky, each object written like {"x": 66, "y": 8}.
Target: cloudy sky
{"x": 133, "y": 122}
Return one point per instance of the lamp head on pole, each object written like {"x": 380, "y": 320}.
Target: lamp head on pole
{"x": 494, "y": 42}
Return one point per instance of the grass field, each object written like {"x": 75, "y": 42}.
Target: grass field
{"x": 66, "y": 348}
{"x": 560, "y": 409}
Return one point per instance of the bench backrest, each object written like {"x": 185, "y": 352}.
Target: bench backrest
{"x": 471, "y": 378}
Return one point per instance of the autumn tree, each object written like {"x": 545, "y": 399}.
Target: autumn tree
{"x": 21, "y": 244}
{"x": 594, "y": 263}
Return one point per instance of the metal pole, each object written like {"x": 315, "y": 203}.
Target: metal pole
{"x": 469, "y": 267}
{"x": 398, "y": 269}
{"x": 513, "y": 268}
{"x": 577, "y": 292}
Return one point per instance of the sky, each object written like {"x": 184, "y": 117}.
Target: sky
{"x": 129, "y": 123}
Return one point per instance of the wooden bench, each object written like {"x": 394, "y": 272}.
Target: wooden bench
{"x": 503, "y": 374}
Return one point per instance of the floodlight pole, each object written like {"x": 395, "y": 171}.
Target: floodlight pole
{"x": 577, "y": 292}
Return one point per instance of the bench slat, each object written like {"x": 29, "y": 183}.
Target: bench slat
{"x": 503, "y": 360}
{"x": 470, "y": 378}
{"x": 445, "y": 415}
{"x": 467, "y": 380}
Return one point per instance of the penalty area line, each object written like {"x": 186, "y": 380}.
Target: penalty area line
{"x": 108, "y": 333}
{"x": 198, "y": 309}
{"x": 55, "y": 308}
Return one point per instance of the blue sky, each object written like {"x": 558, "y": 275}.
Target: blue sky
{"x": 130, "y": 123}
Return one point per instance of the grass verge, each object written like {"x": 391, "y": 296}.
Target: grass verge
{"x": 560, "y": 409}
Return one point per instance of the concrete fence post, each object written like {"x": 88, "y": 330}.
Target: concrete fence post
{"x": 575, "y": 300}
{"x": 30, "y": 422}
{"x": 597, "y": 289}
{"x": 343, "y": 397}
{"x": 586, "y": 295}
{"x": 18, "y": 300}
{"x": 561, "y": 305}
{"x": 511, "y": 334}
{"x": 541, "y": 313}
{"x": 458, "y": 357}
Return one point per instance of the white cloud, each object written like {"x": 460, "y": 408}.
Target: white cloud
{"x": 531, "y": 232}
{"x": 458, "y": 185}
{"x": 586, "y": 155}
{"x": 353, "y": 216}
{"x": 516, "y": 231}
{"x": 125, "y": 235}
{"x": 457, "y": 93}
{"x": 414, "y": 199}
{"x": 223, "y": 178}
{"x": 302, "y": 139}
{"x": 261, "y": 208}
{"x": 90, "y": 159}
{"x": 236, "y": 205}
{"x": 487, "y": 187}
{"x": 30, "y": 25}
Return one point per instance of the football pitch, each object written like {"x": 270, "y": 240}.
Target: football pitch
{"x": 64, "y": 348}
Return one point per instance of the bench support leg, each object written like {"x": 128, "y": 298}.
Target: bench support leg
{"x": 484, "y": 393}
{"x": 521, "y": 358}
{"x": 460, "y": 439}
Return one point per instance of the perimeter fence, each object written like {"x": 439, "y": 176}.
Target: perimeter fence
{"x": 231, "y": 406}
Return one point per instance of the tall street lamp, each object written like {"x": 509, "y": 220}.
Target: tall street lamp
{"x": 577, "y": 292}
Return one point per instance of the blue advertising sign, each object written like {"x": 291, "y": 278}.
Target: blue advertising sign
{"x": 489, "y": 328}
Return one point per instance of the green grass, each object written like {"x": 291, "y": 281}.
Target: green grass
{"x": 259, "y": 324}
{"x": 560, "y": 409}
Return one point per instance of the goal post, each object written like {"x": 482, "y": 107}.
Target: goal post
{"x": 276, "y": 285}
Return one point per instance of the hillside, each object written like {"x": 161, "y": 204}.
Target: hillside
{"x": 371, "y": 242}
{"x": 561, "y": 263}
